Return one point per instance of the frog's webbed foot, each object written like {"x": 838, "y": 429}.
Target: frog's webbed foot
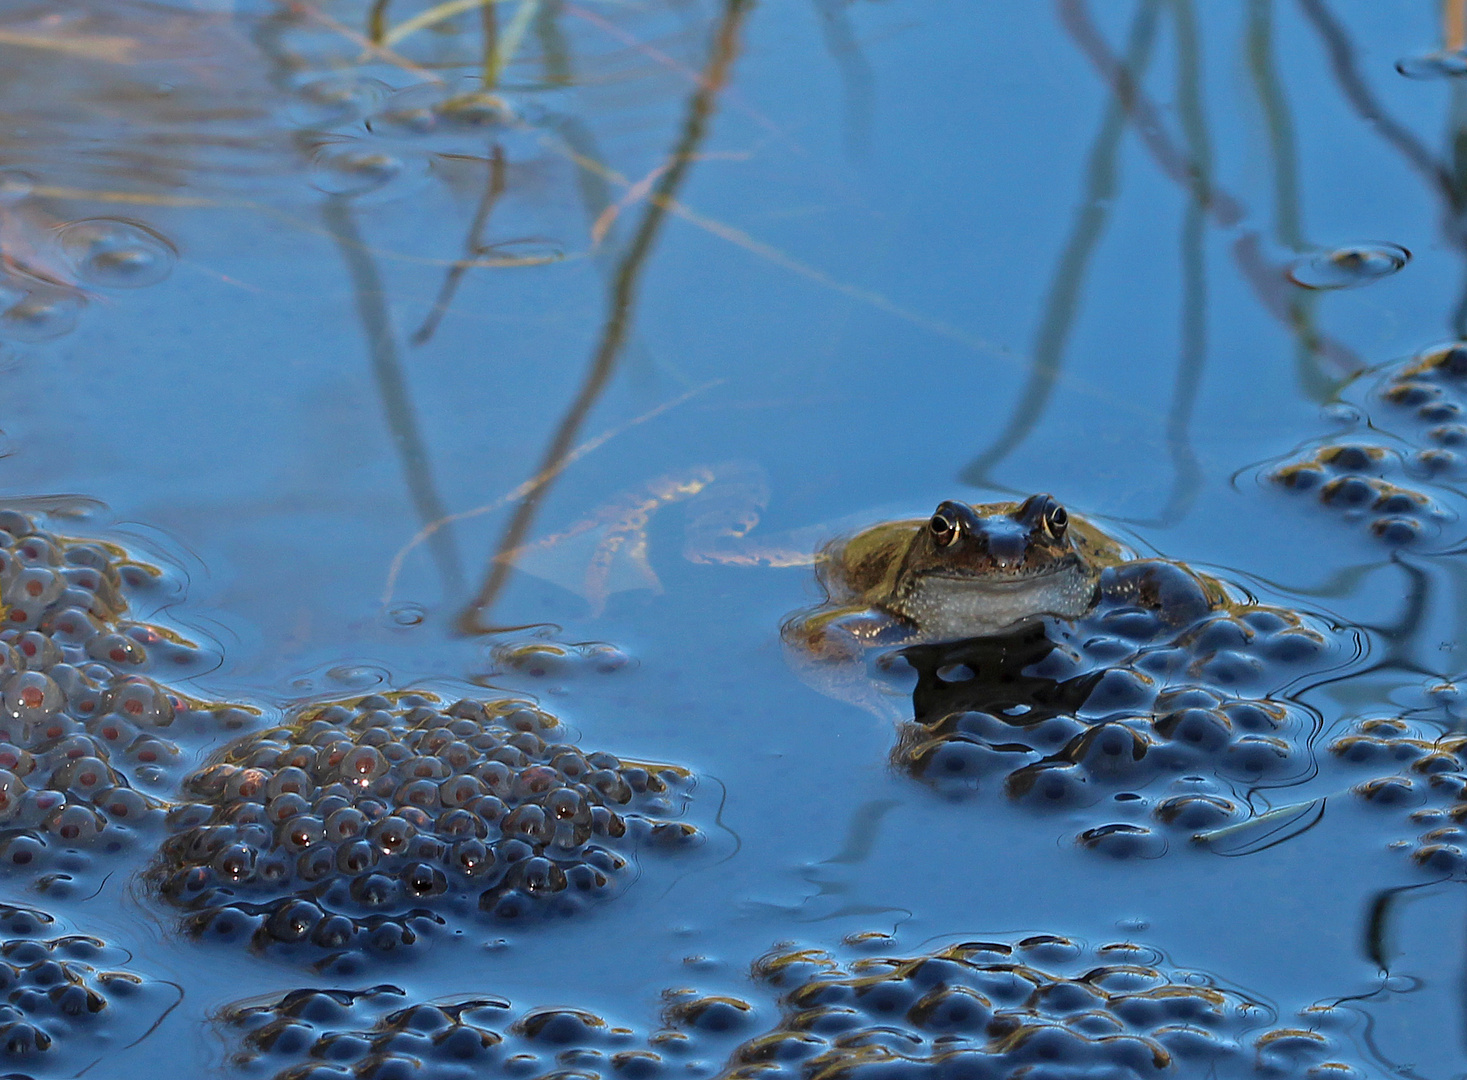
{"x": 830, "y": 651}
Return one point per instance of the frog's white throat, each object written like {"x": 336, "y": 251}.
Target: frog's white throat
{"x": 953, "y": 608}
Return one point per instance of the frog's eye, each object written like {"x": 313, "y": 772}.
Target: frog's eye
{"x": 1056, "y": 520}
{"x": 944, "y": 529}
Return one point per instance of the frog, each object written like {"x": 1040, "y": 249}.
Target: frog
{"x": 967, "y": 571}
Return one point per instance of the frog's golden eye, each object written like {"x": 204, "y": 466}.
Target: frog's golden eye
{"x": 1056, "y": 520}
{"x": 944, "y": 529}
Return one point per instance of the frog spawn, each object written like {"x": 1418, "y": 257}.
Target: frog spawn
{"x": 65, "y": 1001}
{"x": 554, "y": 660}
{"x": 1404, "y": 492}
{"x": 1173, "y": 686}
{"x": 83, "y": 735}
{"x": 313, "y": 1034}
{"x": 355, "y": 826}
{"x": 1043, "y": 1006}
{"x": 1419, "y": 773}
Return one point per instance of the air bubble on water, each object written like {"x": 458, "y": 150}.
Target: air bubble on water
{"x": 354, "y": 170}
{"x": 1341, "y": 413}
{"x": 117, "y": 254}
{"x": 15, "y": 186}
{"x": 1349, "y": 267}
{"x": 473, "y": 110}
{"x": 337, "y": 99}
{"x": 357, "y": 676}
{"x": 409, "y": 112}
{"x": 1434, "y": 65}
{"x": 406, "y": 615}
{"x": 41, "y": 316}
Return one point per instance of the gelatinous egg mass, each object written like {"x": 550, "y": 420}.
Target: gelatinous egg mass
{"x": 1042, "y": 1006}
{"x": 41, "y": 315}
{"x": 1148, "y": 717}
{"x": 354, "y": 171}
{"x": 115, "y": 254}
{"x": 69, "y": 999}
{"x": 337, "y": 99}
{"x": 354, "y": 826}
{"x": 1349, "y": 267}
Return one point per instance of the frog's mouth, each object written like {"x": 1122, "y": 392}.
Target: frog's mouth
{"x": 953, "y": 606}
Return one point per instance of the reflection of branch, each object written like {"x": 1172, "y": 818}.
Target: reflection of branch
{"x": 622, "y": 301}
{"x": 1358, "y": 94}
{"x": 1069, "y": 275}
{"x": 1145, "y": 115}
{"x": 1277, "y": 122}
{"x": 473, "y": 245}
{"x": 1268, "y": 282}
{"x": 1187, "y": 476}
{"x": 855, "y": 69}
{"x": 1287, "y": 216}
{"x": 554, "y": 54}
{"x": 372, "y": 311}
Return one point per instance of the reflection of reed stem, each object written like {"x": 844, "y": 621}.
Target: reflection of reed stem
{"x": 554, "y": 53}
{"x": 489, "y": 20}
{"x": 1187, "y": 475}
{"x": 622, "y": 300}
{"x": 371, "y": 302}
{"x": 855, "y": 70}
{"x": 377, "y": 21}
{"x": 473, "y": 245}
{"x": 1342, "y": 61}
{"x": 1278, "y": 123}
{"x": 1287, "y": 215}
{"x": 1065, "y": 289}
{"x": 507, "y": 44}
{"x": 1267, "y": 281}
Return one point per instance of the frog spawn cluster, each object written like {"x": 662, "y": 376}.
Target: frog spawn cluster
{"x": 1419, "y": 772}
{"x": 334, "y": 1034}
{"x": 84, "y": 734}
{"x": 1402, "y": 493}
{"x": 66, "y": 1001}
{"x": 1169, "y": 681}
{"x": 348, "y": 826}
{"x": 1044, "y": 1005}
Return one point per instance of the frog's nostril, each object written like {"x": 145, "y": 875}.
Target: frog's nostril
{"x": 1006, "y": 548}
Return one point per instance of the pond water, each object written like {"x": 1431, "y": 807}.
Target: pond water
{"x": 523, "y": 351}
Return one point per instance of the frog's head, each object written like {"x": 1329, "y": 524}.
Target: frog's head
{"x": 972, "y": 571}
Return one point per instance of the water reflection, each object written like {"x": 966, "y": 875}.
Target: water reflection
{"x": 621, "y": 303}
{"x": 464, "y": 175}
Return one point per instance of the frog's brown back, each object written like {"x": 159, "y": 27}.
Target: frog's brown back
{"x": 853, "y": 567}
